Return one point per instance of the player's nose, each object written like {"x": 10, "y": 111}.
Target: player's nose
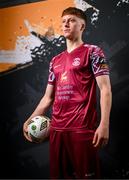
{"x": 66, "y": 24}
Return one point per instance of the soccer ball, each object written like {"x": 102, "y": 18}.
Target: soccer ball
{"x": 38, "y": 128}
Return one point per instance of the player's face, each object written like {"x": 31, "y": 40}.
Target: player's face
{"x": 72, "y": 26}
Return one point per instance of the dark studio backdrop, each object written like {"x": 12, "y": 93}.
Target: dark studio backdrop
{"x": 23, "y": 86}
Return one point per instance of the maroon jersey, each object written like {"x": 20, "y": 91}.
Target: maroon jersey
{"x": 73, "y": 76}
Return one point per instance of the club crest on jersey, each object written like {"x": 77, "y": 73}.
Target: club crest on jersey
{"x": 76, "y": 62}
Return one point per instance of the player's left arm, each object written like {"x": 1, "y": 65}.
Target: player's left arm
{"x": 101, "y": 135}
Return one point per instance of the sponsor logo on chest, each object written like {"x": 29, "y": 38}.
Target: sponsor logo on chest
{"x": 64, "y": 76}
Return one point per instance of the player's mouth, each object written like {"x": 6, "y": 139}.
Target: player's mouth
{"x": 67, "y": 30}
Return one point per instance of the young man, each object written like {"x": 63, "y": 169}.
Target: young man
{"x": 74, "y": 135}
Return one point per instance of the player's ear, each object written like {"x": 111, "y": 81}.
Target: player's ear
{"x": 83, "y": 27}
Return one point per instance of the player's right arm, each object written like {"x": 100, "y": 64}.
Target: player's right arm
{"x": 42, "y": 107}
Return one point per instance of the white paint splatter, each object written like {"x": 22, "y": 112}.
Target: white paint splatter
{"x": 22, "y": 52}
{"x": 83, "y": 5}
{"x": 122, "y": 2}
{"x": 94, "y": 17}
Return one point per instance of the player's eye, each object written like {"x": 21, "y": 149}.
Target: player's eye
{"x": 72, "y": 20}
{"x": 63, "y": 21}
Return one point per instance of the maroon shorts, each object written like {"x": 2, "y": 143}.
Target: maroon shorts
{"x": 72, "y": 155}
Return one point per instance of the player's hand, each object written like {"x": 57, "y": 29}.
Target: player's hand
{"x": 101, "y": 136}
{"x": 25, "y": 131}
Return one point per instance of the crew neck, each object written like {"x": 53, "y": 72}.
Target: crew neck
{"x": 75, "y": 48}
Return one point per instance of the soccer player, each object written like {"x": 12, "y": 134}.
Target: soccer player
{"x": 75, "y": 137}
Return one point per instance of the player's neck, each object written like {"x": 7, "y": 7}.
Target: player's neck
{"x": 73, "y": 44}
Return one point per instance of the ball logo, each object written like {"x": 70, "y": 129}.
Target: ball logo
{"x": 76, "y": 62}
{"x": 33, "y": 127}
{"x": 43, "y": 125}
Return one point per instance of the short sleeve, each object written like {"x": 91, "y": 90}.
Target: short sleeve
{"x": 98, "y": 62}
{"x": 51, "y": 76}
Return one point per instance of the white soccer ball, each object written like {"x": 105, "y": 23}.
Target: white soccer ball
{"x": 38, "y": 128}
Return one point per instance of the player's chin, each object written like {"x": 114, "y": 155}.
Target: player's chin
{"x": 68, "y": 35}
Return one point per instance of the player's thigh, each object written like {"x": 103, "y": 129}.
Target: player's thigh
{"x": 55, "y": 153}
{"x": 85, "y": 155}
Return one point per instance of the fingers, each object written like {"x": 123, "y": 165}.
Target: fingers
{"x": 99, "y": 141}
{"x": 27, "y": 136}
{"x": 95, "y": 139}
{"x": 25, "y": 132}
